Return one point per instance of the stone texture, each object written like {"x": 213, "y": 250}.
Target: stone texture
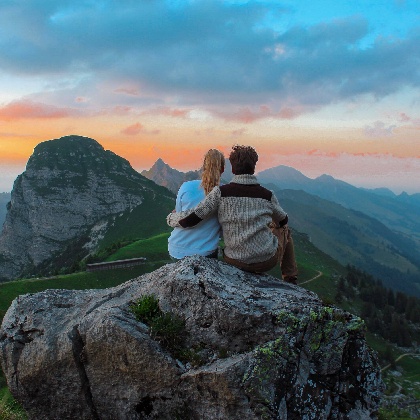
{"x": 269, "y": 350}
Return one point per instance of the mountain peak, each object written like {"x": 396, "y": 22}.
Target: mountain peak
{"x": 75, "y": 153}
{"x": 325, "y": 177}
{"x": 286, "y": 176}
{"x": 69, "y": 193}
{"x": 69, "y": 143}
{"x": 162, "y": 174}
{"x": 160, "y": 163}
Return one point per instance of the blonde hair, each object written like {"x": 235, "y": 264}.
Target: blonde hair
{"x": 213, "y": 166}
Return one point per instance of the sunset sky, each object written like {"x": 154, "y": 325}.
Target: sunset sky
{"x": 325, "y": 86}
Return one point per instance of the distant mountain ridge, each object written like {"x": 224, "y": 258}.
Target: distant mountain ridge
{"x": 399, "y": 212}
{"x": 71, "y": 198}
{"x": 381, "y": 243}
{"x": 352, "y": 237}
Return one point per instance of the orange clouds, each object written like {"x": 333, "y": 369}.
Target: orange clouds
{"x": 132, "y": 130}
{"x": 25, "y": 109}
{"x": 137, "y": 128}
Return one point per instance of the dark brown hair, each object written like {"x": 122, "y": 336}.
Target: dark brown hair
{"x": 243, "y": 160}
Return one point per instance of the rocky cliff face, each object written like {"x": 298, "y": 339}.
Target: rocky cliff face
{"x": 67, "y": 196}
{"x": 4, "y": 199}
{"x": 263, "y": 349}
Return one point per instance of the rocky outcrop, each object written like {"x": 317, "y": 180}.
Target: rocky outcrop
{"x": 68, "y": 197}
{"x": 253, "y": 348}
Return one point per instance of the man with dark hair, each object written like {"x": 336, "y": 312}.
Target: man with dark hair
{"x": 254, "y": 224}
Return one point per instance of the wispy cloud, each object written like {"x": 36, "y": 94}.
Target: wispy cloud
{"x": 25, "y": 109}
{"x": 168, "y": 111}
{"x": 137, "y": 128}
{"x": 379, "y": 129}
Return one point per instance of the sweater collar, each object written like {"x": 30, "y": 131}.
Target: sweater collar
{"x": 245, "y": 179}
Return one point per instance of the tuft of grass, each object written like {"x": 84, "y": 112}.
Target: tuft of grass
{"x": 146, "y": 309}
{"x": 168, "y": 329}
{"x": 165, "y": 327}
{"x": 192, "y": 356}
{"x": 9, "y": 408}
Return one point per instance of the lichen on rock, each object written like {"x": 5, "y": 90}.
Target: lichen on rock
{"x": 267, "y": 349}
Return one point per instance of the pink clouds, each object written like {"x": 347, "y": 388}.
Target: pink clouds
{"x": 137, "y": 128}
{"x": 26, "y": 109}
{"x": 128, "y": 91}
{"x": 248, "y": 115}
{"x": 379, "y": 129}
{"x": 122, "y": 109}
{"x": 238, "y": 133}
{"x": 167, "y": 111}
{"x": 243, "y": 115}
{"x": 132, "y": 130}
{"x": 403, "y": 117}
{"x": 81, "y": 100}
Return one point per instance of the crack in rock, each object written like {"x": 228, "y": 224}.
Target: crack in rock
{"x": 79, "y": 358}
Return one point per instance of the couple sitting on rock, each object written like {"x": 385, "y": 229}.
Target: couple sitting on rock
{"x": 252, "y": 222}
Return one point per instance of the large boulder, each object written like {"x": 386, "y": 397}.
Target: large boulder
{"x": 254, "y": 347}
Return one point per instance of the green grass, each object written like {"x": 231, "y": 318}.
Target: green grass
{"x": 154, "y": 248}
{"x": 9, "y": 408}
{"x": 311, "y": 261}
{"x": 131, "y": 224}
{"x": 411, "y": 373}
{"x": 77, "y": 281}
{"x": 409, "y": 367}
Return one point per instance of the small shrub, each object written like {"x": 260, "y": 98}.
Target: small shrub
{"x": 191, "y": 356}
{"x": 168, "y": 329}
{"x": 165, "y": 327}
{"x": 146, "y": 309}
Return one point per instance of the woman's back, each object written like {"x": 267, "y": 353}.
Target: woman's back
{"x": 202, "y": 239}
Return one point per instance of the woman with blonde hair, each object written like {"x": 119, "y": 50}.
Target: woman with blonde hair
{"x": 204, "y": 238}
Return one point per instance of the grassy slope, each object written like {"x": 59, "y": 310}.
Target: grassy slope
{"x": 137, "y": 223}
{"x": 364, "y": 242}
{"x": 154, "y": 249}
{"x": 311, "y": 262}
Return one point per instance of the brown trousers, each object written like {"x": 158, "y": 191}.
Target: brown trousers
{"x": 285, "y": 256}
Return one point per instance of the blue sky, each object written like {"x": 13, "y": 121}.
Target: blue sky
{"x": 347, "y": 70}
